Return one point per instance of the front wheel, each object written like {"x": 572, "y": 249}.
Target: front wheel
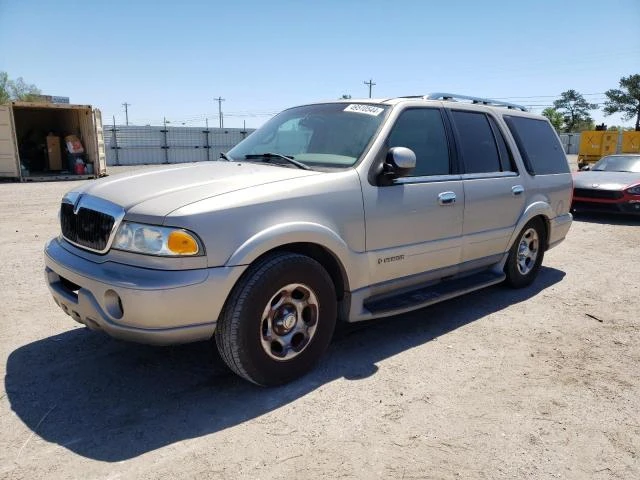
{"x": 278, "y": 320}
{"x": 525, "y": 256}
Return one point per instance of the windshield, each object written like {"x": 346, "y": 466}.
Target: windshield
{"x": 619, "y": 163}
{"x": 325, "y": 135}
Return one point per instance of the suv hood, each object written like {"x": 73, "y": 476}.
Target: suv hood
{"x": 157, "y": 192}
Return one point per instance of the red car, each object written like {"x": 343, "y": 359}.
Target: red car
{"x": 610, "y": 185}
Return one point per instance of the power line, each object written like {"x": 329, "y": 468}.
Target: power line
{"x": 543, "y": 96}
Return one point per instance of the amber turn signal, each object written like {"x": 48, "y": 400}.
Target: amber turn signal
{"x": 181, "y": 243}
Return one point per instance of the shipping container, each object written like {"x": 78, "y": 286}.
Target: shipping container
{"x": 33, "y": 147}
{"x": 630, "y": 142}
{"x": 595, "y": 144}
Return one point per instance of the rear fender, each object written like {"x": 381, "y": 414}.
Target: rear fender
{"x": 539, "y": 208}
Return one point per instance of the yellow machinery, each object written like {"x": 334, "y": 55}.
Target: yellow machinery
{"x": 596, "y": 144}
{"x": 630, "y": 142}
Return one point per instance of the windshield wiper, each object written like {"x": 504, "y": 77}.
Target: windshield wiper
{"x": 224, "y": 156}
{"x": 269, "y": 155}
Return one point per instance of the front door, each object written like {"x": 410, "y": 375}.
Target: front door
{"x": 415, "y": 225}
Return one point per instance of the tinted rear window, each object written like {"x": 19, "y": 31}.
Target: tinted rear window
{"x": 538, "y": 145}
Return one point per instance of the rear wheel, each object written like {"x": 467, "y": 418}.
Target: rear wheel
{"x": 526, "y": 255}
{"x": 278, "y": 320}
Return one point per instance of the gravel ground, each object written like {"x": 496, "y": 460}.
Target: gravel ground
{"x": 536, "y": 383}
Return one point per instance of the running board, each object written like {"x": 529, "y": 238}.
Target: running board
{"x": 423, "y": 297}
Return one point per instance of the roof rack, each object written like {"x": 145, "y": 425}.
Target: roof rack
{"x": 476, "y": 100}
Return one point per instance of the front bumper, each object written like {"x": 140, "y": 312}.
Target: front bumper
{"x": 144, "y": 305}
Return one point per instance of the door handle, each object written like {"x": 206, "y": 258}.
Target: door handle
{"x": 447, "y": 198}
{"x": 517, "y": 190}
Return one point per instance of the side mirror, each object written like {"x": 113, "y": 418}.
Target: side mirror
{"x": 400, "y": 162}
{"x": 585, "y": 168}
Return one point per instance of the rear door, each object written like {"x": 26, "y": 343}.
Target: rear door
{"x": 101, "y": 167}
{"x": 9, "y": 163}
{"x": 493, "y": 189}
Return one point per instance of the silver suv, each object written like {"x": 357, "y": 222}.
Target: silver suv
{"x": 348, "y": 210}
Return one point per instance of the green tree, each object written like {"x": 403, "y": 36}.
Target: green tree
{"x": 345, "y": 97}
{"x": 575, "y": 110}
{"x": 625, "y": 100}
{"x": 620, "y": 128}
{"x": 18, "y": 89}
{"x": 555, "y": 117}
{"x": 584, "y": 125}
{"x": 4, "y": 88}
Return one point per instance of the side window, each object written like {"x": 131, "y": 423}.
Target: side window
{"x": 477, "y": 143}
{"x": 422, "y": 130}
{"x": 538, "y": 145}
{"x": 506, "y": 157}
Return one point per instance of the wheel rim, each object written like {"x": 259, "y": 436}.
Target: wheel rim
{"x": 289, "y": 321}
{"x": 528, "y": 251}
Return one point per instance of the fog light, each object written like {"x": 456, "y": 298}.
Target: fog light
{"x": 113, "y": 304}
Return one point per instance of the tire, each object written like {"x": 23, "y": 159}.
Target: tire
{"x": 522, "y": 269}
{"x": 278, "y": 320}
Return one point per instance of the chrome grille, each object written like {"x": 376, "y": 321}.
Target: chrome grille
{"x": 87, "y": 228}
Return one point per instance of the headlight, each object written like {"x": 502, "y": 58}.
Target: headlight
{"x": 634, "y": 190}
{"x": 154, "y": 240}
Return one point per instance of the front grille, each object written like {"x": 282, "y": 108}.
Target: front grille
{"x": 87, "y": 228}
{"x": 597, "y": 207}
{"x": 595, "y": 193}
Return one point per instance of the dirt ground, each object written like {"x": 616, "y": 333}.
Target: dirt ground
{"x": 537, "y": 383}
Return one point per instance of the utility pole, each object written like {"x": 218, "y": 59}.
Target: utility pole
{"x": 220, "y": 100}
{"x": 371, "y": 83}
{"x": 126, "y": 111}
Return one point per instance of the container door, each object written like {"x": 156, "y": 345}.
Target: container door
{"x": 9, "y": 164}
{"x": 101, "y": 167}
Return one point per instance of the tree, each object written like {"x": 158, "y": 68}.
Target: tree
{"x": 575, "y": 109}
{"x": 620, "y": 128}
{"x": 583, "y": 125}
{"x": 625, "y": 100}
{"x": 18, "y": 89}
{"x": 555, "y": 117}
{"x": 4, "y": 88}
{"x": 345, "y": 97}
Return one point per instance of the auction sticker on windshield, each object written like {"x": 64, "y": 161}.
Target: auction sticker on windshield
{"x": 366, "y": 109}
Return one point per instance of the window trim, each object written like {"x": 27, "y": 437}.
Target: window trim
{"x": 511, "y": 159}
{"x": 452, "y": 177}
{"x": 458, "y": 141}
{"x": 476, "y": 176}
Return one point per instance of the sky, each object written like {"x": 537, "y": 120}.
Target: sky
{"x": 171, "y": 59}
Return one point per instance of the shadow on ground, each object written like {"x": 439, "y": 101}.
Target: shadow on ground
{"x": 111, "y": 401}
{"x": 607, "y": 218}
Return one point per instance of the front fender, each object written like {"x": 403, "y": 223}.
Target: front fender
{"x": 302, "y": 232}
